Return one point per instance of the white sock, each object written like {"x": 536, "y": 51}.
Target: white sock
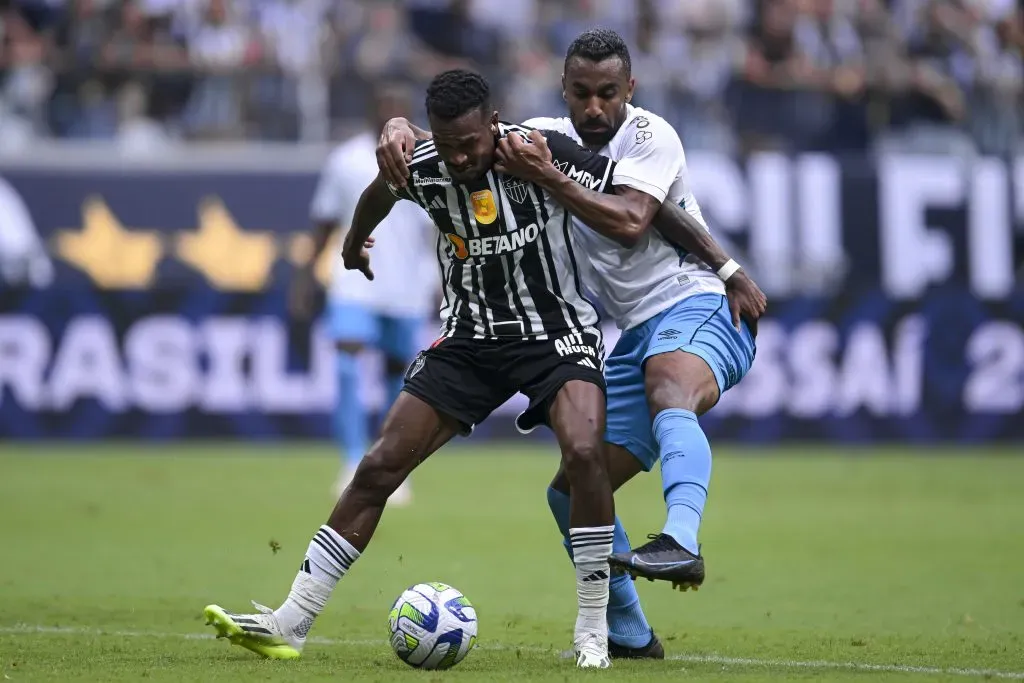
{"x": 327, "y": 559}
{"x": 591, "y": 547}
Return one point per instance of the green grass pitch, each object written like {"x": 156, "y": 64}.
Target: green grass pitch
{"x": 823, "y": 564}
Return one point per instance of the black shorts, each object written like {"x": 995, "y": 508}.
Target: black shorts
{"x": 468, "y": 379}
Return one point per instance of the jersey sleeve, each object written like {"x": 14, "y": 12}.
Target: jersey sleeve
{"x": 650, "y": 156}
{"x": 590, "y": 169}
{"x": 547, "y": 123}
{"x": 400, "y": 192}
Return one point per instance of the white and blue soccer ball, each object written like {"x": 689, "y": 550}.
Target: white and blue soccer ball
{"x": 432, "y": 625}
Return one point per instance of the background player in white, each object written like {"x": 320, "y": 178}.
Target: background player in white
{"x": 683, "y": 343}
{"x": 386, "y": 315}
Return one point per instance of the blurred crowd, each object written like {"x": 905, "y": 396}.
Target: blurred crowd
{"x": 731, "y": 75}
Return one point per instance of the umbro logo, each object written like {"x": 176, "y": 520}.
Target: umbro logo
{"x": 668, "y": 334}
{"x": 599, "y": 575}
{"x": 561, "y": 165}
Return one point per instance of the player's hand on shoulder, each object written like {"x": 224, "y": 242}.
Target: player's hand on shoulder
{"x": 746, "y": 300}
{"x": 527, "y": 159}
{"x": 394, "y": 151}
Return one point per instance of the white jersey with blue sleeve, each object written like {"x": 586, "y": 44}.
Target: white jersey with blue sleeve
{"x": 405, "y": 275}
{"x": 634, "y": 285}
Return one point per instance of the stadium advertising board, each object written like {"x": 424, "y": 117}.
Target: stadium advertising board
{"x": 155, "y": 306}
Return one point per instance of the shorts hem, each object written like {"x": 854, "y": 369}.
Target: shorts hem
{"x": 466, "y": 426}
{"x": 695, "y": 350}
{"x": 634, "y": 446}
{"x": 543, "y": 404}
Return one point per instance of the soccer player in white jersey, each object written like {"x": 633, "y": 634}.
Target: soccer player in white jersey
{"x": 685, "y": 309}
{"x": 386, "y": 315}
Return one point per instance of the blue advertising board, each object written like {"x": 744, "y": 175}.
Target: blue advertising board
{"x": 896, "y": 309}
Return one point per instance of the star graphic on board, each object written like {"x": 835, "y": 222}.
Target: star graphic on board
{"x": 113, "y": 256}
{"x": 229, "y": 257}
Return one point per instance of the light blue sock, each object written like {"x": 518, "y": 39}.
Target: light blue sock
{"x": 627, "y": 625}
{"x": 349, "y": 413}
{"x": 685, "y": 473}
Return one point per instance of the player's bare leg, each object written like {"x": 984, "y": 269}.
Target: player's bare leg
{"x": 577, "y": 417}
{"x": 411, "y": 432}
{"x": 680, "y": 387}
{"x": 394, "y": 379}
{"x": 630, "y": 636}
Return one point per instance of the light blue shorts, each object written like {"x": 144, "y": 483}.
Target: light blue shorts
{"x": 701, "y": 325}
{"x": 397, "y": 338}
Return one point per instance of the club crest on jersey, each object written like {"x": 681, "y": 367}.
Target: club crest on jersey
{"x": 483, "y": 206}
{"x": 515, "y": 189}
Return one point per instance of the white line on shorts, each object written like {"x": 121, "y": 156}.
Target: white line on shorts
{"x": 821, "y": 665}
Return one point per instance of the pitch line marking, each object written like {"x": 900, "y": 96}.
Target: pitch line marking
{"x": 28, "y": 629}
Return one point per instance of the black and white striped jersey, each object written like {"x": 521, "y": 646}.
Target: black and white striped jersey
{"x": 504, "y": 246}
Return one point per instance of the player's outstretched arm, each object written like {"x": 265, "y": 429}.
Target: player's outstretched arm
{"x": 680, "y": 228}
{"x": 373, "y": 207}
{"x": 579, "y": 180}
{"x": 394, "y": 149}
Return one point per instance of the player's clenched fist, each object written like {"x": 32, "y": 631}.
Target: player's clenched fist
{"x": 517, "y": 157}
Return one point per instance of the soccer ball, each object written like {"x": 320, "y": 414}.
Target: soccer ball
{"x": 432, "y": 625}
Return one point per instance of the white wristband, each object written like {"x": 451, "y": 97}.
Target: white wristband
{"x": 728, "y": 270}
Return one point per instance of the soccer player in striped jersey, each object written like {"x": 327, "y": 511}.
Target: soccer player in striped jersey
{"x": 514, "y": 320}
{"x": 687, "y": 311}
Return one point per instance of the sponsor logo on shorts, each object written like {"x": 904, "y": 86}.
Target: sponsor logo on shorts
{"x": 669, "y": 335}
{"x": 574, "y": 344}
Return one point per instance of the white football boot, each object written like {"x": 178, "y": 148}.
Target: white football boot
{"x": 592, "y": 651}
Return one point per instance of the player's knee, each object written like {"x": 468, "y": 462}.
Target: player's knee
{"x": 583, "y": 457}
{"x": 679, "y": 380}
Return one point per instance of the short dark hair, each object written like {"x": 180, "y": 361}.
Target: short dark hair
{"x": 456, "y": 92}
{"x": 599, "y": 44}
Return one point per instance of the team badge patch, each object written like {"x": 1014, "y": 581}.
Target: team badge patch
{"x": 416, "y": 366}
{"x": 515, "y": 189}
{"x": 483, "y": 206}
